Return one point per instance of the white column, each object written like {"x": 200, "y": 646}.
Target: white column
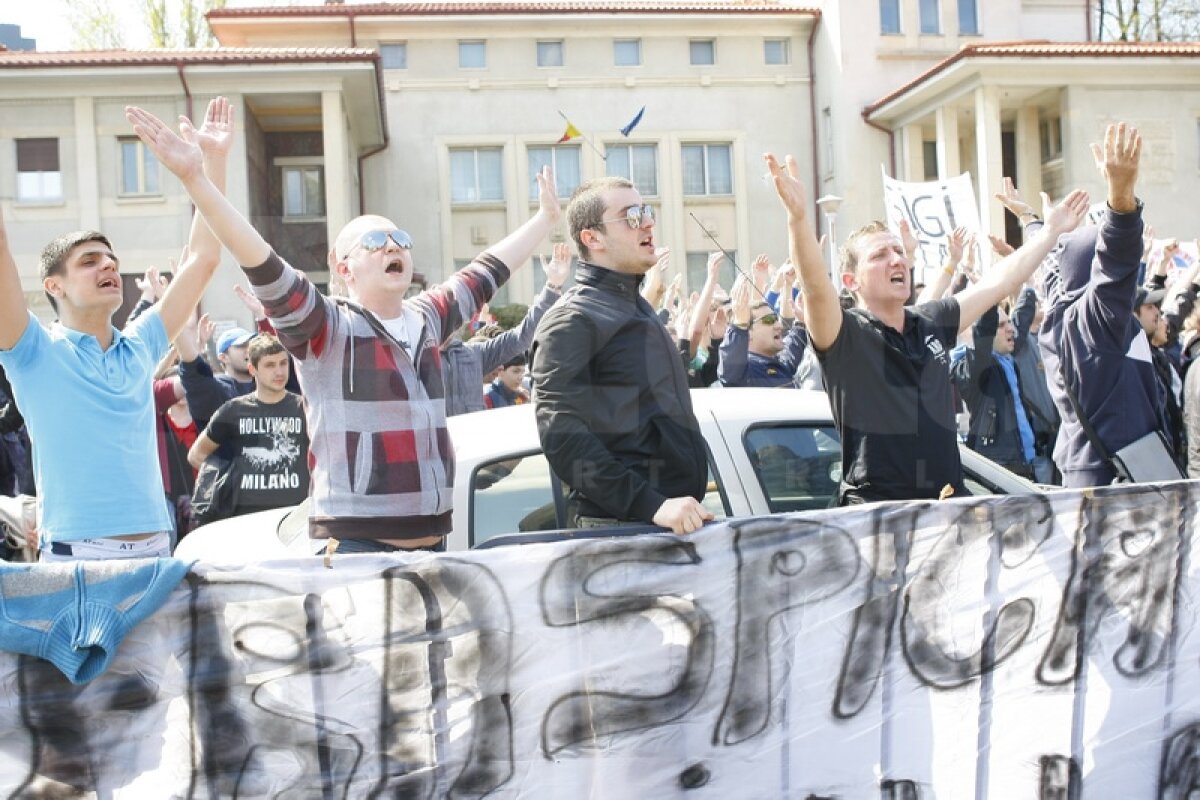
{"x": 988, "y": 161}
{"x": 338, "y": 203}
{"x": 947, "y": 142}
{"x": 87, "y": 161}
{"x": 1029, "y": 156}
{"x": 912, "y": 164}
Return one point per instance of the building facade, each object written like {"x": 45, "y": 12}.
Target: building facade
{"x": 438, "y": 114}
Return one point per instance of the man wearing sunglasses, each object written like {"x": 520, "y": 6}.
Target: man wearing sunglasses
{"x": 382, "y": 461}
{"x": 756, "y": 350}
{"x": 610, "y": 392}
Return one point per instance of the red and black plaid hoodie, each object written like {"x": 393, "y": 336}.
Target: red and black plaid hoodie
{"x": 380, "y": 456}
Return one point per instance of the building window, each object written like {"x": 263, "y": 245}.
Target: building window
{"x": 636, "y": 162}
{"x": 703, "y": 52}
{"x": 929, "y": 17}
{"x": 304, "y": 192}
{"x": 627, "y": 52}
{"x": 139, "y": 168}
{"x": 775, "y": 51}
{"x": 929, "y": 156}
{"x": 889, "y": 16}
{"x": 1050, "y": 133}
{"x": 394, "y": 55}
{"x": 697, "y": 271}
{"x": 563, "y": 159}
{"x": 39, "y": 179}
{"x": 968, "y": 17}
{"x": 476, "y": 175}
{"x": 472, "y": 54}
{"x": 550, "y": 54}
{"x": 707, "y": 169}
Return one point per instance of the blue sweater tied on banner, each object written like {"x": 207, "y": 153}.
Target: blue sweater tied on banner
{"x": 75, "y": 614}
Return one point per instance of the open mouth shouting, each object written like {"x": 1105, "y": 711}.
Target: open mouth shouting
{"x": 395, "y": 266}
{"x": 109, "y": 282}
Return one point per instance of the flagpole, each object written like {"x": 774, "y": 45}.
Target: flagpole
{"x": 582, "y": 136}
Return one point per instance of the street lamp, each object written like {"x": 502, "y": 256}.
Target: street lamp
{"x": 829, "y": 205}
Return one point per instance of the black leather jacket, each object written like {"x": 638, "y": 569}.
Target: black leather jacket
{"x": 611, "y": 399}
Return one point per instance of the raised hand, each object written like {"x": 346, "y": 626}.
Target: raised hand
{"x": 1118, "y": 161}
{"x": 718, "y": 322}
{"x": 652, "y": 285}
{"x": 204, "y": 331}
{"x": 1011, "y": 199}
{"x": 761, "y": 270}
{"x": 1067, "y": 215}
{"x": 908, "y": 239}
{"x": 180, "y": 153}
{"x": 151, "y": 285}
{"x": 954, "y": 245}
{"x": 548, "y": 195}
{"x": 558, "y": 266}
{"x": 251, "y": 302}
{"x": 1147, "y": 241}
{"x": 788, "y": 186}
{"x": 739, "y": 298}
{"x": 714, "y": 266}
{"x": 999, "y": 246}
{"x": 215, "y": 136}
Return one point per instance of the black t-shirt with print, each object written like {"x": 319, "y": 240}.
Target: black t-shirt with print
{"x": 271, "y": 446}
{"x": 893, "y": 405}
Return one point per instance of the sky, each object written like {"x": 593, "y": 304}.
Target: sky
{"x": 43, "y": 20}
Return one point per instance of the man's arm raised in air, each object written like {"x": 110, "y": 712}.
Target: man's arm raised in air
{"x": 822, "y": 310}
{"x": 1011, "y": 272}
{"x": 203, "y": 254}
{"x": 14, "y": 316}
{"x": 185, "y": 160}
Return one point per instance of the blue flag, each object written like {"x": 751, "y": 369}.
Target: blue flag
{"x": 633, "y": 122}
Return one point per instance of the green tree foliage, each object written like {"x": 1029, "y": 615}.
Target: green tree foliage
{"x": 99, "y": 24}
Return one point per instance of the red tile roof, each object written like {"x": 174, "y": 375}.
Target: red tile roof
{"x": 154, "y": 58}
{"x": 489, "y": 7}
{"x": 1042, "y": 49}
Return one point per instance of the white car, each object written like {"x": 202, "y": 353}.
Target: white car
{"x": 770, "y": 450}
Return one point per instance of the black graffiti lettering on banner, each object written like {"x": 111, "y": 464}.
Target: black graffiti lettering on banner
{"x": 925, "y": 622}
{"x": 1058, "y": 778}
{"x": 569, "y": 597}
{"x": 278, "y": 643}
{"x": 781, "y": 564}
{"x": 1125, "y": 561}
{"x": 433, "y": 662}
{"x": 871, "y": 632}
{"x": 1179, "y": 771}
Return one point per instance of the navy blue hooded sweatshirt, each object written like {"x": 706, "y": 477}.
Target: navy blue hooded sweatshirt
{"x": 1089, "y": 282}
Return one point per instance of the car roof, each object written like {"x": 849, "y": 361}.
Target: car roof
{"x": 512, "y": 429}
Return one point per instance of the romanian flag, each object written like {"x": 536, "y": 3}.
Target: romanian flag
{"x": 570, "y": 133}
{"x": 633, "y": 123}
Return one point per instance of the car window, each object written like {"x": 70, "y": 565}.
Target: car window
{"x": 514, "y": 495}
{"x": 798, "y": 466}
{"x": 510, "y": 496}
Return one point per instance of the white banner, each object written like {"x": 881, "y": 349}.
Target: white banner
{"x": 1013, "y": 647}
{"x": 933, "y": 210}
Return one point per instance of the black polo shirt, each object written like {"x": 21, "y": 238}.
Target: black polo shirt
{"x": 893, "y": 405}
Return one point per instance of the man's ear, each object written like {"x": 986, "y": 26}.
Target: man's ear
{"x": 52, "y": 284}
{"x": 849, "y": 281}
{"x": 591, "y": 239}
{"x": 253, "y": 370}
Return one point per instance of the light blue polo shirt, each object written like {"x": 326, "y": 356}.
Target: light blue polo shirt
{"x": 90, "y": 414}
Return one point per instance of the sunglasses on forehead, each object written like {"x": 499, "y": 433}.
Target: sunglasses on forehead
{"x": 635, "y": 216}
{"x": 378, "y": 239}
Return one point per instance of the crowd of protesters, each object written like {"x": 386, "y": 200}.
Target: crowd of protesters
{"x": 1071, "y": 347}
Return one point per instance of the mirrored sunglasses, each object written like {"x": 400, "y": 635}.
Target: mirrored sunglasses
{"x": 635, "y": 216}
{"x": 377, "y": 240}
{"x": 768, "y": 319}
